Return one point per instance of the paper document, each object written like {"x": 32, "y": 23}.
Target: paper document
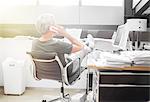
{"x": 125, "y": 58}
{"x": 138, "y": 57}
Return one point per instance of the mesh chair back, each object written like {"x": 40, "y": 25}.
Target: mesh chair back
{"x": 46, "y": 70}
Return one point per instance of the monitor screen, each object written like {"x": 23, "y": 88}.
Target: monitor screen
{"x": 118, "y": 36}
{"x": 75, "y": 32}
{"x": 121, "y": 38}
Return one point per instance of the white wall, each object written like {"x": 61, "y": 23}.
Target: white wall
{"x": 28, "y": 14}
{"x": 101, "y": 15}
{"x": 65, "y": 15}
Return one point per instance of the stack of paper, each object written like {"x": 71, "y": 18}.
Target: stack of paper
{"x": 125, "y": 58}
{"x": 139, "y": 58}
{"x": 143, "y": 59}
{"x": 116, "y": 60}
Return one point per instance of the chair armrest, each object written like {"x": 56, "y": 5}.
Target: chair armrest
{"x": 71, "y": 62}
{"x": 32, "y": 68}
{"x": 67, "y": 66}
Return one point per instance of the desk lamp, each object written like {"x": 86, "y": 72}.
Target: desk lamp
{"x": 139, "y": 25}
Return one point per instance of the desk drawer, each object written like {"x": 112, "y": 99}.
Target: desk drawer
{"x": 125, "y": 94}
{"x": 125, "y": 79}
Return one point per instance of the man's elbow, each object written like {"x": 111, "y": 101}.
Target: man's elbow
{"x": 77, "y": 48}
{"x": 81, "y": 47}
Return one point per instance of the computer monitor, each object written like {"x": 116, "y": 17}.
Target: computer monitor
{"x": 120, "y": 41}
{"x": 75, "y": 32}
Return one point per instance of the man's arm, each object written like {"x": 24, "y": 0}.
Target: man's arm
{"x": 77, "y": 45}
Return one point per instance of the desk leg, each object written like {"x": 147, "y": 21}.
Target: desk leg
{"x": 87, "y": 82}
{"x": 95, "y": 86}
{"x": 93, "y": 90}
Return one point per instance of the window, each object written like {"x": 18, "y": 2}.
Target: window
{"x": 135, "y": 2}
{"x": 102, "y": 2}
{"x": 59, "y": 2}
{"x": 17, "y": 2}
{"x": 62, "y": 2}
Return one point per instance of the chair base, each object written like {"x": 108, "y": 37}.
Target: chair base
{"x": 47, "y": 98}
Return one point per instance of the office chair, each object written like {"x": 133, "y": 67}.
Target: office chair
{"x": 49, "y": 66}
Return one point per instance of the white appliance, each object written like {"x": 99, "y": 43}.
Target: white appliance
{"x": 14, "y": 76}
{"x": 136, "y": 24}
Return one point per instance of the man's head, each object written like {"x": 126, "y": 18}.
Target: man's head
{"x": 44, "y": 22}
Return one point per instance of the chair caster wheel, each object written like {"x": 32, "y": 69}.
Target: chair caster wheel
{"x": 43, "y": 100}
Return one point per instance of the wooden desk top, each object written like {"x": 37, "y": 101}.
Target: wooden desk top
{"x": 132, "y": 68}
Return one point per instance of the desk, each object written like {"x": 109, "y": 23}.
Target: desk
{"x": 130, "y": 84}
{"x": 132, "y": 68}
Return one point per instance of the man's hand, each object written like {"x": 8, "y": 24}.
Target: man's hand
{"x": 59, "y": 30}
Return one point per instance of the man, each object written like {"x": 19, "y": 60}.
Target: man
{"x": 47, "y": 44}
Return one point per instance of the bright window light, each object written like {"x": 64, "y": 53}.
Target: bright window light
{"x": 59, "y": 2}
{"x": 102, "y": 2}
{"x": 135, "y": 2}
{"x": 17, "y": 2}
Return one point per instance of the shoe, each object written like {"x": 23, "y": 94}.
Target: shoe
{"x": 87, "y": 49}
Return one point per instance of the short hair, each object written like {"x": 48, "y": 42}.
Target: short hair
{"x": 44, "y": 22}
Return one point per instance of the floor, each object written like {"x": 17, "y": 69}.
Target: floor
{"x": 34, "y": 94}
